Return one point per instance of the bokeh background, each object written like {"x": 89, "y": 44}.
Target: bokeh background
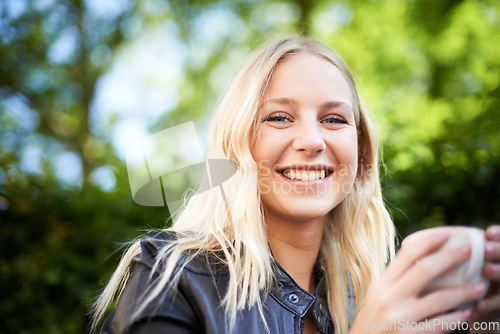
{"x": 82, "y": 81}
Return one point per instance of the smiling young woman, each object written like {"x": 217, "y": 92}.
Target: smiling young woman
{"x": 306, "y": 134}
{"x": 302, "y": 242}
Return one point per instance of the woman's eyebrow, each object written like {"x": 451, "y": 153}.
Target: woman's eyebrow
{"x": 334, "y": 104}
{"x": 280, "y": 100}
{"x": 289, "y": 100}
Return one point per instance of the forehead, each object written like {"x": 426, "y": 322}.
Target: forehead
{"x": 308, "y": 75}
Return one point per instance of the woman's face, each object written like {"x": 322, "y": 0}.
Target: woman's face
{"x": 307, "y": 147}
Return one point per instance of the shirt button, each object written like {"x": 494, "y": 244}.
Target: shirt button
{"x": 293, "y": 298}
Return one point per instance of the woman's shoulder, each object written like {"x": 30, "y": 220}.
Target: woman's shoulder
{"x": 148, "y": 299}
{"x": 154, "y": 243}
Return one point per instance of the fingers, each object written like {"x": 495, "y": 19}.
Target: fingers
{"x": 430, "y": 267}
{"x": 493, "y": 233}
{"x": 443, "y": 324}
{"x": 492, "y": 248}
{"x": 492, "y": 251}
{"x": 492, "y": 271}
{"x": 488, "y": 307}
{"x": 448, "y": 299}
{"x": 414, "y": 247}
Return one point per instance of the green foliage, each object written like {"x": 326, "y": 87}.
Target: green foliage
{"x": 56, "y": 246}
{"x": 428, "y": 70}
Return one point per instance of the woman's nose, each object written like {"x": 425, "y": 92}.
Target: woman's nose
{"x": 308, "y": 138}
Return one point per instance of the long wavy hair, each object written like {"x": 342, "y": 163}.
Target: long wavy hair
{"x": 359, "y": 237}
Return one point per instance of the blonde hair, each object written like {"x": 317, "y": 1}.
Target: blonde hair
{"x": 359, "y": 233}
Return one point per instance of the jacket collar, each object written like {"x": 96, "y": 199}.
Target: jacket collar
{"x": 284, "y": 289}
{"x": 297, "y": 300}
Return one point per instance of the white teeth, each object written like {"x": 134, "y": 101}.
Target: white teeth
{"x": 304, "y": 175}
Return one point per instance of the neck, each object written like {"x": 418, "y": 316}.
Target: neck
{"x": 296, "y": 246}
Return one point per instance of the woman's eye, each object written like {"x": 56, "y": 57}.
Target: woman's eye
{"x": 335, "y": 120}
{"x": 276, "y": 118}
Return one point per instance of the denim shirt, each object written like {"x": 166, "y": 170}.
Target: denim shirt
{"x": 194, "y": 306}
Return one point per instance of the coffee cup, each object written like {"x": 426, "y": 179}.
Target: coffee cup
{"x": 469, "y": 272}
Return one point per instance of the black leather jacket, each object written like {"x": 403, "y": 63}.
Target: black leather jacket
{"x": 195, "y": 305}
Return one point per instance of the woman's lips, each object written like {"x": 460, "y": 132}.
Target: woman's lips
{"x": 304, "y": 172}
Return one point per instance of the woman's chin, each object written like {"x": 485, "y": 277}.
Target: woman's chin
{"x": 302, "y": 212}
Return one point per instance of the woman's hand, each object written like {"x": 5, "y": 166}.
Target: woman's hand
{"x": 396, "y": 303}
{"x": 488, "y": 309}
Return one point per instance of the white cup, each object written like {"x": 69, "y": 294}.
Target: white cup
{"x": 469, "y": 272}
